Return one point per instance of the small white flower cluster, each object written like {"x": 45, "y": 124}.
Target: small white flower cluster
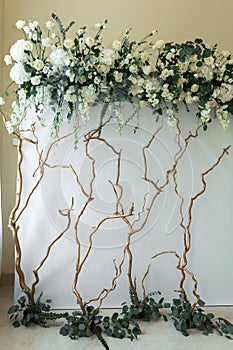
{"x": 75, "y": 74}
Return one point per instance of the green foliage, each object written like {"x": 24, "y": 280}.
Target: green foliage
{"x": 26, "y": 311}
{"x": 145, "y": 309}
{"x": 186, "y": 317}
{"x": 92, "y": 323}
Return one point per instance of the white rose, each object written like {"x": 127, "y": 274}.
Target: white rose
{"x": 116, "y": 45}
{"x": 225, "y": 53}
{"x": 2, "y": 101}
{"x": 89, "y": 41}
{"x": 8, "y": 60}
{"x": 143, "y": 104}
{"x": 68, "y": 43}
{"x": 194, "y": 88}
{"x": 20, "y": 24}
{"x": 38, "y": 64}
{"x": 133, "y": 68}
{"x": 133, "y": 80}
{"x": 146, "y": 70}
{"x": 159, "y": 44}
{"x": 118, "y": 76}
{"x": 35, "y": 80}
{"x": 165, "y": 73}
{"x": 209, "y": 61}
{"x": 18, "y": 73}
{"x": 103, "y": 68}
{"x": 28, "y": 45}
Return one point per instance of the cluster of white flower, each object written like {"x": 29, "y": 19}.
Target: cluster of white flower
{"x": 75, "y": 74}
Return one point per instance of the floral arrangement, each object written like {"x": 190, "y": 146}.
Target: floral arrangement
{"x": 67, "y": 75}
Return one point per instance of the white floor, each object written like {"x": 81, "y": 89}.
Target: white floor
{"x": 158, "y": 335}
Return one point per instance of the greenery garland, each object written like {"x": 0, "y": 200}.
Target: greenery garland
{"x": 67, "y": 75}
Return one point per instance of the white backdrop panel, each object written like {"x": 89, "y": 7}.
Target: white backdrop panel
{"x": 210, "y": 257}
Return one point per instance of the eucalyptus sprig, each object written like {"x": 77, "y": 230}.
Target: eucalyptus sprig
{"x": 187, "y": 317}
{"x": 26, "y": 312}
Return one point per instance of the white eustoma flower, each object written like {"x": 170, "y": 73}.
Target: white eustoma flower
{"x": 70, "y": 75}
{"x": 17, "y": 51}
{"x": 46, "y": 42}
{"x": 20, "y": 24}
{"x": 26, "y": 29}
{"x": 33, "y": 25}
{"x": 8, "y": 60}
{"x": 18, "y": 73}
{"x": 49, "y": 25}
{"x": 68, "y": 43}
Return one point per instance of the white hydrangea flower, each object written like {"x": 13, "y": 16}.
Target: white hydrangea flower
{"x": 17, "y": 51}
{"x": 18, "y": 73}
{"x": 107, "y": 57}
{"x": 35, "y": 80}
{"x": 224, "y": 92}
{"x": 59, "y": 58}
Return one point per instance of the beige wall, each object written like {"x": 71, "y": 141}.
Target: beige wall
{"x": 178, "y": 20}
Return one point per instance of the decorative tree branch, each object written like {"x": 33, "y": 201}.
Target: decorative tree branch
{"x": 66, "y": 213}
{"x": 80, "y": 262}
{"x": 20, "y": 208}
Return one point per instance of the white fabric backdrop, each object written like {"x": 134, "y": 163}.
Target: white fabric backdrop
{"x": 210, "y": 257}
